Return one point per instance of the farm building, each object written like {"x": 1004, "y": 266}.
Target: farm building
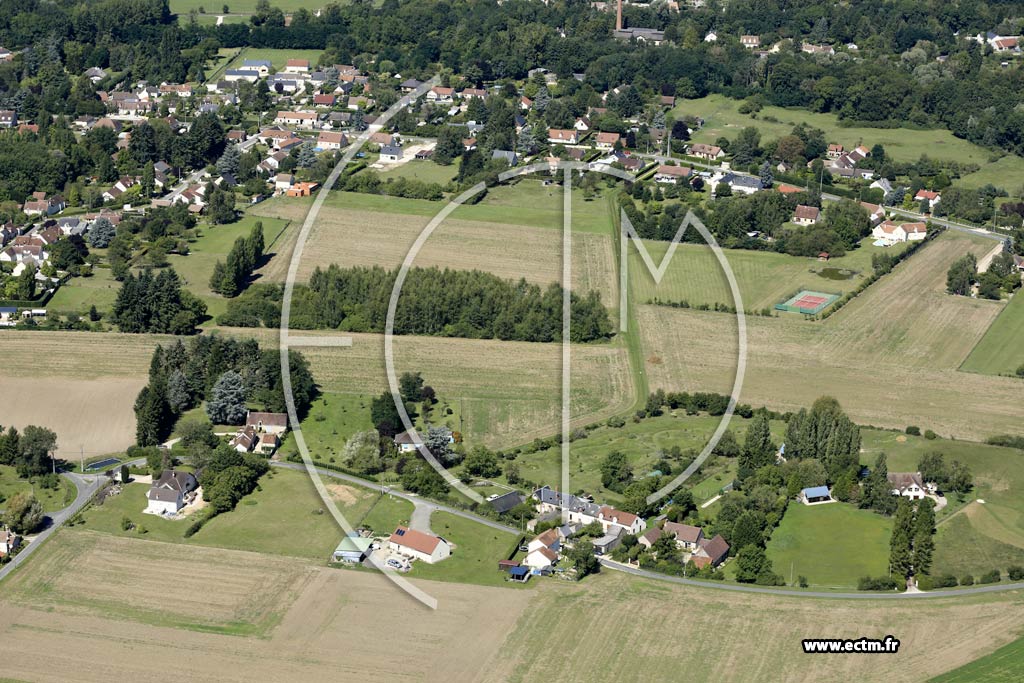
{"x": 352, "y": 549}
{"x": 418, "y": 545}
{"x": 815, "y": 494}
{"x": 506, "y": 501}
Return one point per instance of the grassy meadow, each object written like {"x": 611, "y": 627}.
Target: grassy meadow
{"x": 51, "y": 499}
{"x": 1000, "y": 351}
{"x": 475, "y": 556}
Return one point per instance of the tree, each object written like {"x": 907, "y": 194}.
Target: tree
{"x": 226, "y": 404}
{"x": 581, "y": 558}
{"x": 758, "y": 449}
{"x": 961, "y": 275}
{"x": 179, "y": 399}
{"x": 752, "y": 564}
{"x": 901, "y": 558}
{"x": 924, "y": 530}
{"x": 101, "y": 234}
{"x": 849, "y": 220}
{"x": 152, "y": 416}
{"x": 410, "y": 386}
{"x": 960, "y": 480}
{"x": 932, "y": 467}
{"x": 481, "y": 462}
{"x": 438, "y": 441}
{"x": 384, "y": 415}
{"x": 747, "y": 530}
{"x": 616, "y": 472}
{"x": 877, "y": 489}
{"x": 35, "y": 448}
{"x": 362, "y": 452}
{"x": 221, "y": 205}
{"x": 449, "y": 145}
{"x": 23, "y": 514}
{"x": 230, "y": 160}
{"x": 307, "y": 155}
{"x": 766, "y": 174}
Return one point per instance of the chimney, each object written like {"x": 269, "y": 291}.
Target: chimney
{"x": 618, "y": 17}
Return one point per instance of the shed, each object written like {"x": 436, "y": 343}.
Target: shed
{"x": 352, "y": 549}
{"x": 520, "y": 574}
{"x": 815, "y": 494}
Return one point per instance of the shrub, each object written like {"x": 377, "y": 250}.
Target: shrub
{"x": 616, "y": 422}
{"x": 929, "y": 434}
{"x": 966, "y": 580}
{"x": 993, "y": 576}
{"x": 881, "y": 583}
{"x": 1016, "y": 573}
{"x": 913, "y": 431}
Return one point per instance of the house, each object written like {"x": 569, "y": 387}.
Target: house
{"x": 300, "y": 119}
{"x": 9, "y": 542}
{"x": 467, "y": 93}
{"x": 95, "y": 74}
{"x": 440, "y": 95}
{"x": 303, "y": 189}
{"x": 541, "y": 559}
{"x": 711, "y": 37}
{"x": 875, "y": 212}
{"x": 409, "y": 85}
{"x": 509, "y": 156}
{"x": 889, "y": 233}
{"x": 469, "y": 144}
{"x": 606, "y": 140}
{"x": 120, "y": 187}
{"x": 260, "y": 66}
{"x": 506, "y": 501}
{"x": 352, "y": 550}
{"x": 670, "y": 175}
{"x": 609, "y": 541}
{"x": 1004, "y": 44}
{"x": 267, "y": 423}
{"x": 817, "y": 49}
{"x": 390, "y": 153}
{"x": 182, "y": 90}
{"x": 640, "y": 35}
{"x": 882, "y": 184}
{"x": 323, "y": 100}
{"x": 171, "y": 492}
{"x": 282, "y": 83}
{"x": 418, "y": 545}
{"x": 933, "y": 198}
{"x": 8, "y": 118}
{"x": 835, "y": 151}
{"x": 907, "y": 484}
{"x": 563, "y": 136}
{"x": 709, "y": 152}
{"x": 549, "y": 539}
{"x": 687, "y": 537}
{"x": 297, "y": 66}
{"x": 750, "y": 42}
{"x": 582, "y": 124}
{"x": 815, "y": 494}
{"x": 40, "y": 206}
{"x": 408, "y": 442}
{"x": 710, "y": 552}
{"x": 244, "y": 440}
{"x": 739, "y": 183}
{"x": 331, "y": 141}
{"x": 805, "y": 215}
{"x": 610, "y": 518}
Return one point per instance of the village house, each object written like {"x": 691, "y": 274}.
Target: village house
{"x": 261, "y": 66}
{"x": 244, "y": 439}
{"x": 171, "y": 492}
{"x": 407, "y": 442}
{"x": 812, "y": 49}
{"x": 39, "y": 205}
{"x": 582, "y": 124}
{"x": 9, "y": 542}
{"x": 297, "y": 66}
{"x": 671, "y": 175}
{"x": 875, "y": 212}
{"x": 606, "y": 140}
{"x": 933, "y": 198}
{"x": 390, "y": 153}
{"x": 750, "y": 42}
{"x": 417, "y": 545}
{"x": 741, "y": 184}
{"x": 710, "y": 552}
{"x": 440, "y": 95}
{"x": 815, "y": 494}
{"x": 687, "y": 537}
{"x": 582, "y": 511}
{"x": 709, "y": 152}
{"x": 267, "y": 423}
{"x": 909, "y": 485}
{"x": 805, "y": 215}
{"x": 123, "y": 184}
{"x": 322, "y": 100}
{"x": 835, "y": 151}
{"x": 467, "y": 93}
{"x": 8, "y": 118}
{"x": 563, "y": 136}
{"x": 890, "y": 232}
{"x": 299, "y": 119}
{"x": 328, "y": 140}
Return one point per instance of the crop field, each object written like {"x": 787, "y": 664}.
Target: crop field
{"x": 764, "y": 278}
{"x": 706, "y": 627}
{"x": 832, "y": 545}
{"x": 353, "y": 237}
{"x": 890, "y": 356}
{"x": 95, "y": 607}
{"x": 1000, "y": 351}
{"x": 722, "y": 119}
{"x": 1005, "y": 665}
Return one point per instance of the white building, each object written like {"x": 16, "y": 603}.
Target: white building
{"x": 170, "y": 492}
{"x": 418, "y": 545}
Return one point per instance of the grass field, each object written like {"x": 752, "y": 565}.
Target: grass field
{"x": 1005, "y": 665}
{"x": 277, "y": 58}
{"x": 1007, "y": 173}
{"x": 722, "y": 119}
{"x": 475, "y": 557}
{"x": 50, "y": 499}
{"x": 1000, "y": 351}
{"x": 79, "y": 293}
{"x": 764, "y": 278}
{"x": 240, "y": 6}
{"x": 889, "y": 356}
{"x": 424, "y": 171}
{"x": 833, "y": 545}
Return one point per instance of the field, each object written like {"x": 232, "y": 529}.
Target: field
{"x": 764, "y": 278}
{"x": 1005, "y": 665}
{"x": 424, "y": 171}
{"x": 889, "y": 356}
{"x": 1007, "y": 173}
{"x": 722, "y": 118}
{"x": 51, "y": 499}
{"x": 79, "y": 293}
{"x": 833, "y": 545}
{"x": 277, "y": 58}
{"x": 240, "y": 6}
{"x": 1000, "y": 351}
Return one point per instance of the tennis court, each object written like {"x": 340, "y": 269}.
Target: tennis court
{"x": 807, "y": 302}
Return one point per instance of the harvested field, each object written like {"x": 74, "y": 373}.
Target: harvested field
{"x": 735, "y": 637}
{"x": 890, "y": 356}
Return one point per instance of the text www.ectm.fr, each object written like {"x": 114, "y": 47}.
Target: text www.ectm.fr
{"x": 857, "y": 645}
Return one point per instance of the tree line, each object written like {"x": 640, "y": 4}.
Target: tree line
{"x": 156, "y": 304}
{"x": 450, "y": 303}
{"x": 230, "y": 277}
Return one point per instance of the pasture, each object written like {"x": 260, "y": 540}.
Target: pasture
{"x": 214, "y": 8}
{"x": 1007, "y": 173}
{"x": 832, "y": 545}
{"x": 1000, "y": 351}
{"x": 889, "y": 356}
{"x": 722, "y": 119}
{"x": 422, "y": 170}
{"x": 764, "y": 278}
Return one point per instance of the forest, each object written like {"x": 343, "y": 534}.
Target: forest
{"x": 448, "y": 303}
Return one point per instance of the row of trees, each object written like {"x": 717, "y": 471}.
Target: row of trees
{"x": 229, "y": 278}
{"x": 29, "y": 452}
{"x": 451, "y": 303}
{"x": 227, "y": 373}
{"x": 912, "y": 544}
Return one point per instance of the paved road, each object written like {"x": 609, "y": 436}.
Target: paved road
{"x": 921, "y": 595}
{"x": 423, "y": 507}
{"x": 87, "y": 485}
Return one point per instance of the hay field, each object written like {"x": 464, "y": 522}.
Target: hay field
{"x": 890, "y": 356}
{"x": 60, "y": 619}
{"x": 617, "y": 628}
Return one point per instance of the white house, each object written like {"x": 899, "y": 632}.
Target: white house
{"x": 581, "y": 511}
{"x": 891, "y": 232}
{"x": 606, "y": 140}
{"x": 297, "y": 66}
{"x": 267, "y": 423}
{"x": 610, "y": 517}
{"x": 933, "y": 198}
{"x": 331, "y": 141}
{"x": 407, "y": 442}
{"x": 563, "y": 136}
{"x": 687, "y": 537}
{"x": 170, "y": 492}
{"x": 9, "y": 542}
{"x": 390, "y": 153}
{"x": 709, "y": 152}
{"x": 541, "y": 559}
{"x": 418, "y": 545}
{"x": 299, "y": 119}
{"x": 550, "y": 539}
{"x": 805, "y": 215}
{"x": 907, "y": 484}
{"x": 670, "y": 175}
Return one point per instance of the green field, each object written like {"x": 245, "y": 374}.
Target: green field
{"x": 1005, "y": 665}
{"x": 1001, "y": 350}
{"x": 1007, "y": 173}
{"x": 212, "y": 245}
{"x": 51, "y": 499}
{"x": 722, "y": 119}
{"x": 475, "y": 559}
{"x": 764, "y": 278}
{"x": 424, "y": 171}
{"x": 277, "y": 58}
{"x": 79, "y": 293}
{"x": 833, "y": 545}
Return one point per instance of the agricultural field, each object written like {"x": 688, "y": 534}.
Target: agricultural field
{"x": 1000, "y": 351}
{"x": 764, "y": 278}
{"x": 722, "y": 119}
{"x": 889, "y": 356}
{"x": 833, "y": 545}
{"x": 706, "y": 627}
{"x": 1005, "y": 665}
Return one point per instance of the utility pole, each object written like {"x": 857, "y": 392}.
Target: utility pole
{"x": 81, "y": 450}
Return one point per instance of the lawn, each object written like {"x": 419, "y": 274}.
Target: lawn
{"x": 424, "y": 171}
{"x": 240, "y": 6}
{"x": 1000, "y": 351}
{"x": 722, "y": 119}
{"x": 212, "y": 245}
{"x": 79, "y": 293}
{"x": 833, "y": 545}
{"x": 277, "y": 58}
{"x": 764, "y": 278}
{"x": 475, "y": 558}
{"x": 51, "y": 499}
{"x": 1005, "y": 665}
